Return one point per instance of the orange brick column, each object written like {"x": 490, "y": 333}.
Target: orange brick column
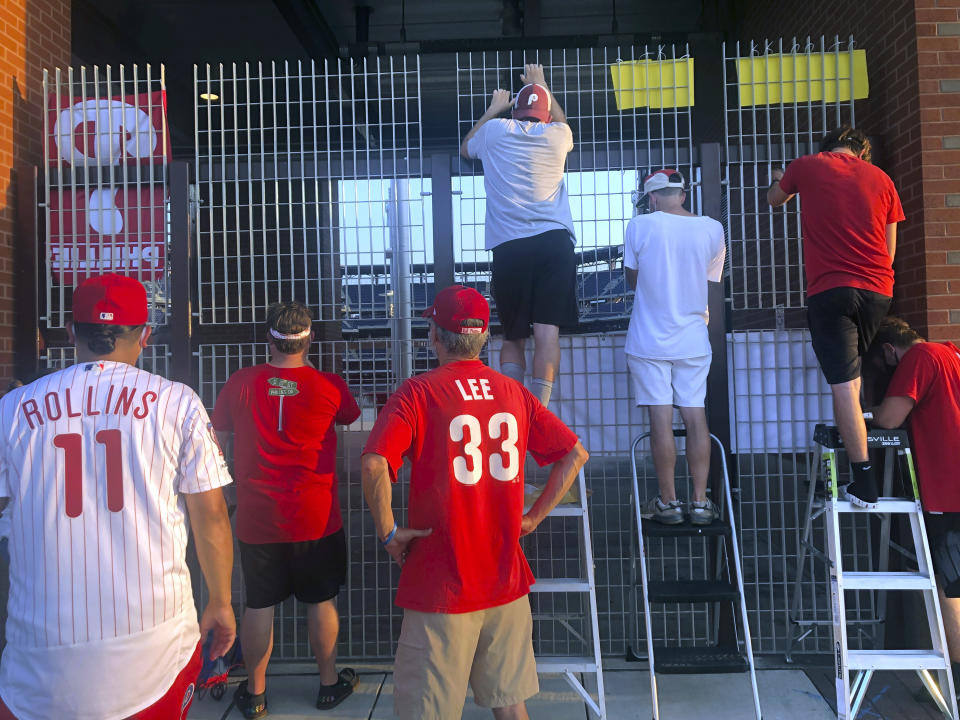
{"x": 938, "y": 45}
{"x": 33, "y": 34}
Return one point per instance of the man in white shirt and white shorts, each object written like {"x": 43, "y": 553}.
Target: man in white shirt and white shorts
{"x": 669, "y": 255}
{"x": 528, "y": 224}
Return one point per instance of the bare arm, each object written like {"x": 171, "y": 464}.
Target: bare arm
{"x": 893, "y": 411}
{"x": 213, "y": 540}
{"x": 775, "y": 194}
{"x": 562, "y": 475}
{"x": 500, "y": 102}
{"x": 533, "y": 73}
{"x": 631, "y": 276}
{"x": 378, "y": 492}
{"x": 892, "y": 240}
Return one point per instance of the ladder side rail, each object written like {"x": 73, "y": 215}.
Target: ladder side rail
{"x": 931, "y": 601}
{"x": 890, "y": 458}
{"x": 735, "y": 551}
{"x": 591, "y": 580}
{"x": 794, "y": 632}
{"x": 641, "y": 561}
{"x": 837, "y": 598}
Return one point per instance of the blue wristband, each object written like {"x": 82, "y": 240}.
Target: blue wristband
{"x": 388, "y": 538}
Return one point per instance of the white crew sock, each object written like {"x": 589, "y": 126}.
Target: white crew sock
{"x": 542, "y": 389}
{"x": 512, "y": 370}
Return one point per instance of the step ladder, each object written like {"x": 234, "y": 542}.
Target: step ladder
{"x": 570, "y": 667}
{"x": 726, "y": 586}
{"x": 824, "y": 476}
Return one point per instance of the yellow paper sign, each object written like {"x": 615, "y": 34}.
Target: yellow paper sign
{"x": 808, "y": 77}
{"x": 653, "y": 83}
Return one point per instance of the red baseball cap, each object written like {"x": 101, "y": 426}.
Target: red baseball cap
{"x": 455, "y": 304}
{"x": 533, "y": 101}
{"x": 110, "y": 299}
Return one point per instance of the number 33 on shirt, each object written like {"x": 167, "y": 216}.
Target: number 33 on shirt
{"x": 467, "y": 429}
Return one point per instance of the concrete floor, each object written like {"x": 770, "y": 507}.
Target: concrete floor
{"x": 784, "y": 695}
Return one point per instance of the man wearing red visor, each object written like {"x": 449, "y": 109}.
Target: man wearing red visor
{"x": 465, "y": 430}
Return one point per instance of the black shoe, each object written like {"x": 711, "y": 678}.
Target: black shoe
{"x": 252, "y": 706}
{"x": 862, "y": 493}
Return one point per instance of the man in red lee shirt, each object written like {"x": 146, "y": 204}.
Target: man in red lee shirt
{"x": 282, "y": 416}
{"x": 850, "y": 213}
{"x": 465, "y": 430}
{"x": 925, "y": 390}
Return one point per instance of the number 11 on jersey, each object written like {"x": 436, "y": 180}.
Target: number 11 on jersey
{"x": 72, "y": 446}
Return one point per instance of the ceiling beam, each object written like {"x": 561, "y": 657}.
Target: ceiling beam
{"x": 309, "y": 24}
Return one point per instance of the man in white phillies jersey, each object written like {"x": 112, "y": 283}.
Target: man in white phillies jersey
{"x": 100, "y": 465}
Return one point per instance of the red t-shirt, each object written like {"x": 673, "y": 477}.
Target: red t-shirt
{"x": 284, "y": 464}
{"x": 466, "y": 430}
{"x": 929, "y": 373}
{"x": 846, "y": 206}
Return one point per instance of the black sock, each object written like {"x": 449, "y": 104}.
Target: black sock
{"x": 863, "y": 472}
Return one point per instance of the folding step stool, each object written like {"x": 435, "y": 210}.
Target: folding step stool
{"x": 850, "y": 695}
{"x": 568, "y": 666}
{"x": 726, "y": 586}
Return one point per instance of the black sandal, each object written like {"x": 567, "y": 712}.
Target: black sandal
{"x": 332, "y": 695}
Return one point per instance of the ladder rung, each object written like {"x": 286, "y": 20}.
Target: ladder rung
{"x": 887, "y": 581}
{"x": 558, "y": 585}
{"x": 564, "y": 664}
{"x": 896, "y": 660}
{"x": 695, "y": 660}
{"x": 566, "y": 511}
{"x": 886, "y": 505}
{"x": 651, "y": 528}
{"x": 690, "y": 591}
{"x": 561, "y": 511}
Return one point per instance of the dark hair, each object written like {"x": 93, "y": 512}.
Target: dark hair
{"x": 896, "y": 332}
{"x": 102, "y": 339}
{"x": 847, "y": 137}
{"x": 289, "y": 318}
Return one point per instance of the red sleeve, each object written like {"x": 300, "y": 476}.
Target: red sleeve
{"x": 348, "y": 410}
{"x": 223, "y": 411}
{"x": 548, "y": 439}
{"x": 895, "y": 210}
{"x": 913, "y": 376}
{"x": 793, "y": 176}
{"x": 394, "y": 431}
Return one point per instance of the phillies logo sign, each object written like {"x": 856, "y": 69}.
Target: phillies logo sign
{"x": 108, "y": 227}
{"x": 108, "y": 131}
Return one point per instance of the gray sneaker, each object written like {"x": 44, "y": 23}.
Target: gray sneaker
{"x": 703, "y": 513}
{"x": 670, "y": 513}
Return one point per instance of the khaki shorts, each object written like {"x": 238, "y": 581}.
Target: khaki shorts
{"x": 680, "y": 382}
{"x": 440, "y": 653}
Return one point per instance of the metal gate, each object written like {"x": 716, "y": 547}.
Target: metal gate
{"x": 776, "y": 108}
{"x": 313, "y": 181}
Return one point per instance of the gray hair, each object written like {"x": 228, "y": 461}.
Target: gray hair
{"x": 463, "y": 345}
{"x": 668, "y": 192}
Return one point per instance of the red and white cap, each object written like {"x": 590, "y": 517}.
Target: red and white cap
{"x": 455, "y": 304}
{"x": 110, "y": 299}
{"x": 662, "y": 179}
{"x": 533, "y": 101}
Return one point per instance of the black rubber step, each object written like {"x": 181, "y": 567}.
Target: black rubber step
{"x": 693, "y": 660}
{"x": 690, "y": 591}
{"x": 652, "y": 528}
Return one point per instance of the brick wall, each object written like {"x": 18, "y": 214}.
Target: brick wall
{"x": 33, "y": 34}
{"x": 913, "y": 59}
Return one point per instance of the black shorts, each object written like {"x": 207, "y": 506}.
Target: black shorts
{"x": 535, "y": 281}
{"x": 946, "y": 561}
{"x": 843, "y": 322}
{"x": 312, "y": 571}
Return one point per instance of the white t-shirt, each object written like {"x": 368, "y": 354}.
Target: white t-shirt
{"x": 674, "y": 256}
{"x": 523, "y": 177}
{"x": 95, "y": 460}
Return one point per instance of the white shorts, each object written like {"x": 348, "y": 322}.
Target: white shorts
{"x": 681, "y": 382}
